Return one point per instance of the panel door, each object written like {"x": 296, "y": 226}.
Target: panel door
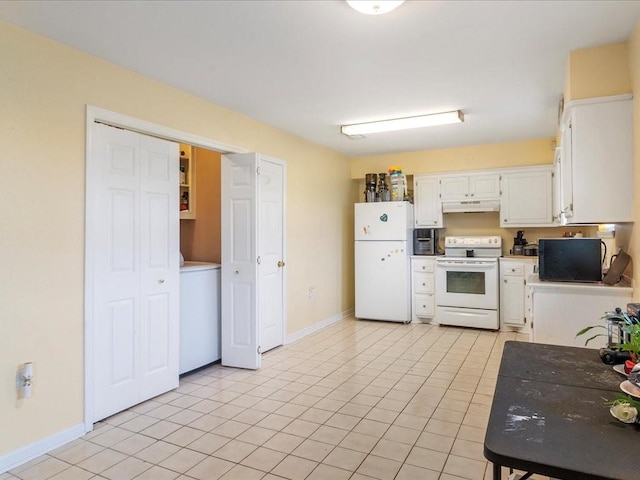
{"x": 159, "y": 269}
{"x": 512, "y": 301}
{"x": 271, "y": 181}
{"x": 527, "y": 199}
{"x": 566, "y": 170}
{"x": 239, "y": 309}
{"x": 453, "y": 189}
{"x": 484, "y": 186}
{"x": 602, "y": 143}
{"x": 135, "y": 273}
{"x": 428, "y": 208}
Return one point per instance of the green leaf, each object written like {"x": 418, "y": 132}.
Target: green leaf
{"x": 595, "y": 336}
{"x": 586, "y": 329}
{"x": 620, "y": 398}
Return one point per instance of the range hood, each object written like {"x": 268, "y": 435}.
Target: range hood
{"x": 470, "y": 206}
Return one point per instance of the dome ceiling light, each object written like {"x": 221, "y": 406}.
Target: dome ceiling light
{"x": 374, "y": 7}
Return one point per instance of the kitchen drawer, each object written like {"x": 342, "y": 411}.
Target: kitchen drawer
{"x": 513, "y": 270}
{"x": 423, "y": 283}
{"x": 424, "y": 305}
{"x": 426, "y": 265}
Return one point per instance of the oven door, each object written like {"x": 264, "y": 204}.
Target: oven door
{"x": 467, "y": 283}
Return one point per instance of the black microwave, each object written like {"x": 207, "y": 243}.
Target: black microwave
{"x": 570, "y": 259}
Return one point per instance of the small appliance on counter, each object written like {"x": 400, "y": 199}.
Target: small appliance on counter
{"x": 519, "y": 243}
{"x": 376, "y": 188}
{"x": 530, "y": 250}
{"x": 425, "y": 241}
{"x": 617, "y": 334}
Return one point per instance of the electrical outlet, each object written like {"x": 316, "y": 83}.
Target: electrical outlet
{"x": 310, "y": 293}
{"x": 24, "y": 379}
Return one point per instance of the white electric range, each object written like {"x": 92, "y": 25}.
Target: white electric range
{"x": 467, "y": 288}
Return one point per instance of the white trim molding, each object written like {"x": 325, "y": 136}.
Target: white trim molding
{"x": 318, "y": 326}
{"x": 25, "y": 454}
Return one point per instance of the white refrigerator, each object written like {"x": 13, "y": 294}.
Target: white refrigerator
{"x": 383, "y": 249}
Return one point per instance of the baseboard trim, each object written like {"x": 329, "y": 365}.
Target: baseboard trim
{"x": 318, "y": 326}
{"x": 25, "y": 454}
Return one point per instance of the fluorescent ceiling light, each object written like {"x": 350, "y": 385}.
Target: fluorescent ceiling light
{"x": 403, "y": 123}
{"x": 375, "y": 7}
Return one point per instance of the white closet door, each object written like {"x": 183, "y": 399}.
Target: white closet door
{"x": 160, "y": 269}
{"x": 271, "y": 251}
{"x": 239, "y": 307}
{"x": 136, "y": 272}
{"x": 253, "y": 226}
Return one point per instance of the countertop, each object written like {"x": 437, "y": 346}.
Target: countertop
{"x": 535, "y": 282}
{"x": 195, "y": 266}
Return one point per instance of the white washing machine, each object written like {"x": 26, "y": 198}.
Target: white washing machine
{"x": 199, "y": 315}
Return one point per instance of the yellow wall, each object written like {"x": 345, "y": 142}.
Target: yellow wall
{"x": 45, "y": 88}
{"x": 498, "y": 155}
{"x": 200, "y": 238}
{"x": 598, "y": 72}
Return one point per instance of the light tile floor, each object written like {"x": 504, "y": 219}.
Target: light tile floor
{"x": 358, "y": 400}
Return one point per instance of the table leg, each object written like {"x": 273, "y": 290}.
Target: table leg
{"x": 497, "y": 471}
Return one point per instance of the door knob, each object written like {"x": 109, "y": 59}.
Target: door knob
{"x": 161, "y": 280}
{"x": 280, "y": 263}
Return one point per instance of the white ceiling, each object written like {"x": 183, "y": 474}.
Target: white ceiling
{"x": 309, "y": 66}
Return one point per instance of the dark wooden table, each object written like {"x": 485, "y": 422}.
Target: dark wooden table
{"x": 549, "y": 416}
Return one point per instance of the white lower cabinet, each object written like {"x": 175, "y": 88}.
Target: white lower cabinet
{"x": 515, "y": 298}
{"x": 423, "y": 288}
{"x": 562, "y": 309}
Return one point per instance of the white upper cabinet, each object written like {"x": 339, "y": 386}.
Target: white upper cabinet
{"x": 462, "y": 187}
{"x": 597, "y": 161}
{"x": 454, "y": 188}
{"x": 428, "y": 209}
{"x": 527, "y": 197}
{"x": 557, "y": 187}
